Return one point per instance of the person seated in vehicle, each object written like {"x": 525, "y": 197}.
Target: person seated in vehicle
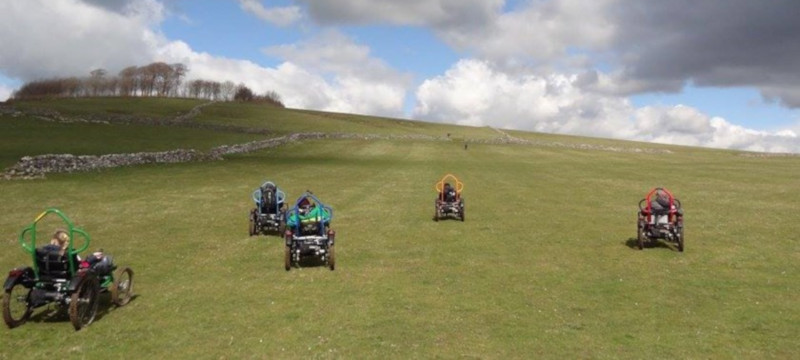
{"x": 59, "y": 243}
{"x": 308, "y": 217}
{"x": 660, "y": 205}
{"x": 448, "y": 193}
{"x": 51, "y": 258}
{"x": 270, "y": 203}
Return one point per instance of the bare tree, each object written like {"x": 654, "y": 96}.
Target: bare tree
{"x": 95, "y": 83}
{"x": 227, "y": 90}
{"x": 175, "y": 77}
{"x": 128, "y": 81}
{"x": 155, "y": 79}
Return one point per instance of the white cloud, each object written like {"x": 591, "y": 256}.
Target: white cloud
{"x": 542, "y": 30}
{"x": 473, "y": 93}
{"x": 70, "y": 38}
{"x": 535, "y": 30}
{"x": 333, "y": 52}
{"x": 5, "y": 92}
{"x": 81, "y": 37}
{"x": 299, "y": 87}
{"x": 408, "y": 12}
{"x": 279, "y": 16}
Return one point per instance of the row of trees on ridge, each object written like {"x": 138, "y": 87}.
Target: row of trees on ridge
{"x": 156, "y": 79}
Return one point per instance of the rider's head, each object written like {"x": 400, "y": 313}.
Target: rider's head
{"x": 305, "y": 205}
{"x": 61, "y": 239}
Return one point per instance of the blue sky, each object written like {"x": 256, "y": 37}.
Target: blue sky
{"x": 667, "y": 72}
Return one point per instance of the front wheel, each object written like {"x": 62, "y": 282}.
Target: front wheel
{"x": 331, "y": 258}
{"x": 287, "y": 258}
{"x": 680, "y": 239}
{"x": 122, "y": 288}
{"x": 252, "y": 226}
{"x": 83, "y": 303}
{"x": 16, "y": 308}
{"x": 281, "y": 227}
{"x": 640, "y": 235}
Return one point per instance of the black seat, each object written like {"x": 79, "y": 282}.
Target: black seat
{"x": 309, "y": 228}
{"x": 52, "y": 265}
{"x": 268, "y": 201}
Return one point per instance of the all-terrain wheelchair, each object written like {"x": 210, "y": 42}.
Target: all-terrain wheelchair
{"x": 660, "y": 217}
{"x": 269, "y": 215}
{"x": 60, "y": 277}
{"x": 449, "y": 202}
{"x": 308, "y": 233}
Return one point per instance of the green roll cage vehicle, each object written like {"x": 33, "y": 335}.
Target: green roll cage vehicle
{"x": 62, "y": 279}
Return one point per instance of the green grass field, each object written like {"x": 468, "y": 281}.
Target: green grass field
{"x": 543, "y": 267}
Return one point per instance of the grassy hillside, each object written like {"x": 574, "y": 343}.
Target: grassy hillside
{"x": 543, "y": 267}
{"x": 31, "y": 136}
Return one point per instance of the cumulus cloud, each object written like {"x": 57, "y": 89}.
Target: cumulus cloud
{"x": 72, "y": 38}
{"x": 409, "y": 12}
{"x": 539, "y": 31}
{"x": 279, "y": 16}
{"x": 473, "y": 93}
{"x": 333, "y": 52}
{"x": 344, "y": 89}
{"x": 5, "y": 92}
{"x": 536, "y": 30}
{"x": 711, "y": 42}
{"x": 81, "y": 37}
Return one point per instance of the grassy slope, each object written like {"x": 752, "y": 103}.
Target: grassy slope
{"x": 30, "y": 136}
{"x": 150, "y": 107}
{"x": 541, "y": 268}
{"x": 292, "y": 120}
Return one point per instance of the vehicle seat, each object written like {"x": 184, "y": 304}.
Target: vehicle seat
{"x": 52, "y": 265}
{"x": 309, "y": 228}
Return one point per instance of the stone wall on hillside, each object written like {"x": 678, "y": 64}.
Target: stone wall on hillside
{"x": 35, "y": 167}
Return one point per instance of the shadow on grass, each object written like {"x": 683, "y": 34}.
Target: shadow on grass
{"x": 447, "y": 218}
{"x": 53, "y": 313}
{"x": 633, "y": 243}
{"x": 309, "y": 262}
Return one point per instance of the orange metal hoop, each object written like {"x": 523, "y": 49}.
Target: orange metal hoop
{"x": 458, "y": 184}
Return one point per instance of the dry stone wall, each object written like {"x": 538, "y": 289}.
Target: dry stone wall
{"x": 35, "y": 167}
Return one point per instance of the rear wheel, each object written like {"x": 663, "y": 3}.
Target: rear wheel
{"x": 331, "y": 258}
{"x": 16, "y": 309}
{"x": 287, "y": 258}
{"x": 83, "y": 303}
{"x": 122, "y": 288}
{"x": 640, "y": 235}
{"x": 281, "y": 227}
{"x": 463, "y": 215}
{"x": 680, "y": 238}
{"x": 252, "y": 226}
